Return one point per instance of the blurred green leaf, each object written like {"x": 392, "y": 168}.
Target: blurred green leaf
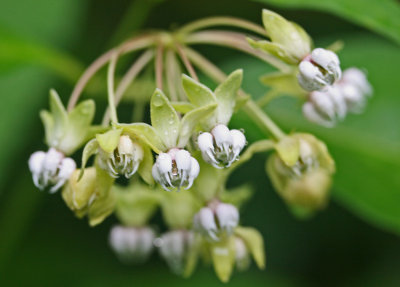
{"x": 366, "y": 147}
{"x": 382, "y": 16}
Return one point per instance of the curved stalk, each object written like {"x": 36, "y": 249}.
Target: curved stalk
{"x": 233, "y": 40}
{"x": 222, "y": 21}
{"x": 128, "y": 78}
{"x": 110, "y": 88}
{"x": 159, "y": 67}
{"x": 129, "y": 46}
{"x": 186, "y": 62}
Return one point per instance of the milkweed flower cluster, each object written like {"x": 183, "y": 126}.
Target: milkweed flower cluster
{"x": 179, "y": 162}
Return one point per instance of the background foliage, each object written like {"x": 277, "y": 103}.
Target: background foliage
{"x": 354, "y": 242}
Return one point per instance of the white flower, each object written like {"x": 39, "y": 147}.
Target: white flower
{"x": 325, "y": 107}
{"x": 174, "y": 247}
{"x": 216, "y": 220}
{"x": 132, "y": 244}
{"x": 175, "y": 169}
{"x": 319, "y": 69}
{"x": 222, "y": 146}
{"x": 355, "y": 89}
{"x": 50, "y": 168}
{"x": 125, "y": 159}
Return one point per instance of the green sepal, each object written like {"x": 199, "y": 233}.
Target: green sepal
{"x": 226, "y": 94}
{"x": 254, "y": 243}
{"x": 145, "y": 133}
{"x": 182, "y": 107}
{"x": 104, "y": 202}
{"x": 67, "y": 131}
{"x": 109, "y": 140}
{"x": 90, "y": 149}
{"x": 197, "y": 93}
{"x": 164, "y": 119}
{"x": 78, "y": 125}
{"x": 193, "y": 256}
{"x": 178, "y": 208}
{"x": 290, "y": 36}
{"x": 135, "y": 204}
{"x": 274, "y": 49}
{"x": 289, "y": 150}
{"x": 283, "y": 83}
{"x": 237, "y": 196}
{"x": 191, "y": 120}
{"x": 146, "y": 165}
{"x": 223, "y": 258}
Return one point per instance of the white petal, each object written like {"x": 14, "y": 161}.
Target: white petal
{"x": 125, "y": 145}
{"x": 205, "y": 142}
{"x": 228, "y": 216}
{"x": 314, "y": 116}
{"x": 52, "y": 160}
{"x": 36, "y": 161}
{"x": 238, "y": 141}
{"x": 222, "y": 137}
{"x": 183, "y": 160}
{"x": 194, "y": 172}
{"x": 164, "y": 163}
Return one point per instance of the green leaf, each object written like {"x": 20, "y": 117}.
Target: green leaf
{"x": 144, "y": 132}
{"x": 164, "y": 119}
{"x": 226, "y": 94}
{"x": 197, "y": 93}
{"x": 193, "y": 256}
{"x": 254, "y": 242}
{"x": 288, "y": 35}
{"x": 109, "y": 140}
{"x": 191, "y": 120}
{"x": 90, "y": 149}
{"x": 146, "y": 165}
{"x": 223, "y": 258}
{"x": 381, "y": 16}
{"x": 48, "y": 123}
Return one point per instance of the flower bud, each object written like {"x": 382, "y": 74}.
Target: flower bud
{"x": 216, "y": 220}
{"x": 325, "y": 107}
{"x": 125, "y": 159}
{"x": 132, "y": 244}
{"x": 174, "y": 247}
{"x": 175, "y": 169}
{"x": 305, "y": 184}
{"x": 319, "y": 69}
{"x": 50, "y": 168}
{"x": 355, "y": 88}
{"x": 222, "y": 146}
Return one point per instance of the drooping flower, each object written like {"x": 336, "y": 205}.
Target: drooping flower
{"x": 50, "y": 168}
{"x": 221, "y": 147}
{"x": 325, "y": 107}
{"x": 175, "y": 169}
{"x": 132, "y": 244}
{"x": 124, "y": 159}
{"x": 319, "y": 69}
{"x": 174, "y": 247}
{"x": 216, "y": 220}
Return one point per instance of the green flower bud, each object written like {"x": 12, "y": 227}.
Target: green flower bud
{"x": 90, "y": 195}
{"x": 301, "y": 172}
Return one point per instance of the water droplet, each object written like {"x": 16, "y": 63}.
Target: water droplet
{"x": 157, "y": 101}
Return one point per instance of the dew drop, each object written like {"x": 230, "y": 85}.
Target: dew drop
{"x": 157, "y": 101}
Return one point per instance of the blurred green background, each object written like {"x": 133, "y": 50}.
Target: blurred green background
{"x": 354, "y": 242}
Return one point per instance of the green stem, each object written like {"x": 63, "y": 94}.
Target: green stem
{"x": 110, "y": 88}
{"x": 233, "y": 40}
{"x": 251, "y": 108}
{"x": 222, "y": 21}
